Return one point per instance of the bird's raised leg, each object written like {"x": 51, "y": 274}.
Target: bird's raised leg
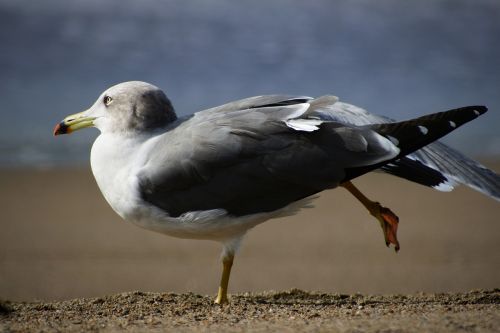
{"x": 227, "y": 263}
{"x": 387, "y": 219}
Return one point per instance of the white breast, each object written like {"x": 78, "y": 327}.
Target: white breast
{"x": 113, "y": 160}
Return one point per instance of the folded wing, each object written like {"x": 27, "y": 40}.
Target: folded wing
{"x": 263, "y": 153}
{"x": 255, "y": 155}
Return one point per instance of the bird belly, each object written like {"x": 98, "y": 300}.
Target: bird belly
{"x": 214, "y": 224}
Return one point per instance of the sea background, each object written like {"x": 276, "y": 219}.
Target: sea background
{"x": 398, "y": 58}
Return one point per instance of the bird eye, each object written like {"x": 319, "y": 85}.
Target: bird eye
{"x": 107, "y": 100}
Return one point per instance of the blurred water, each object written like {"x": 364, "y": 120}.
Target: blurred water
{"x": 399, "y": 58}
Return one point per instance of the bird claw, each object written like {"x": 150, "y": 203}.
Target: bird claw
{"x": 389, "y": 223}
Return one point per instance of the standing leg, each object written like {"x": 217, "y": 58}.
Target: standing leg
{"x": 387, "y": 219}
{"x": 227, "y": 263}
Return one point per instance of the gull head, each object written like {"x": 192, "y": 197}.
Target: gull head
{"x": 126, "y": 107}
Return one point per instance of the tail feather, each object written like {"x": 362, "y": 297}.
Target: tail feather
{"x": 416, "y": 171}
{"x": 459, "y": 168}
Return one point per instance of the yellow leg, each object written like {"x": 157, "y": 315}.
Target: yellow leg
{"x": 227, "y": 263}
{"x": 387, "y": 219}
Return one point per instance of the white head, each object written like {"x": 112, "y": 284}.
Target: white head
{"x": 126, "y": 107}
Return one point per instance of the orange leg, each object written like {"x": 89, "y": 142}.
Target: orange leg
{"x": 387, "y": 219}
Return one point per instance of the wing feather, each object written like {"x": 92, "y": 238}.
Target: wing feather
{"x": 250, "y": 160}
{"x": 265, "y": 152}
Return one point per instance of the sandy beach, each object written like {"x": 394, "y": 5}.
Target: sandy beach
{"x": 61, "y": 241}
{"x": 287, "y": 311}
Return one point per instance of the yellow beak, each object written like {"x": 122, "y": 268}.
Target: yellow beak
{"x": 73, "y": 123}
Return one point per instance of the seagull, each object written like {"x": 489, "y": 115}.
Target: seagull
{"x": 218, "y": 173}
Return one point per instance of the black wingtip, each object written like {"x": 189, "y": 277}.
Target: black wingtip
{"x": 477, "y": 109}
{"x": 416, "y": 133}
{"x": 482, "y": 109}
{"x": 413, "y": 134}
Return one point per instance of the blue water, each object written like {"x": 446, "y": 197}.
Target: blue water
{"x": 393, "y": 57}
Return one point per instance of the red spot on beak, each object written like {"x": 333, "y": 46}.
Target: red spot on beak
{"x": 61, "y": 128}
{"x": 57, "y": 129}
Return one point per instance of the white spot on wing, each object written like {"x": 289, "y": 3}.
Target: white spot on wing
{"x": 452, "y": 124}
{"x": 477, "y": 113}
{"x": 423, "y": 130}
{"x": 306, "y": 125}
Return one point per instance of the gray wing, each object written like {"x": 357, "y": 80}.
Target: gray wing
{"x": 247, "y": 157}
{"x": 436, "y": 165}
{"x": 263, "y": 153}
